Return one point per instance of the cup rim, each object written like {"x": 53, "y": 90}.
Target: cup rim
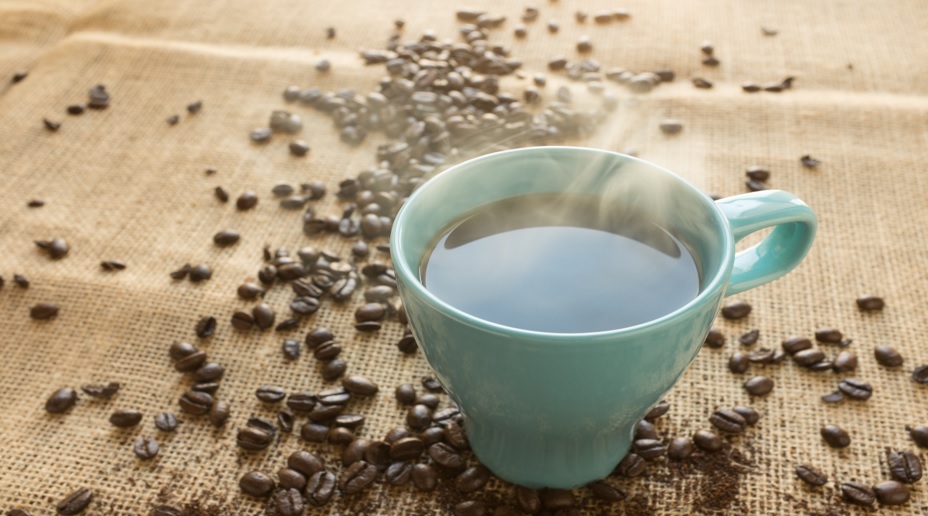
{"x": 410, "y": 279}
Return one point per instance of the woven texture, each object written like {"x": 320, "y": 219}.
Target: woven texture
{"x": 122, "y": 184}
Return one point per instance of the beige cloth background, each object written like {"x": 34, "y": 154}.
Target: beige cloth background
{"x": 122, "y": 184}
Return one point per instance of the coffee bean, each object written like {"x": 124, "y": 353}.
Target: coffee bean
{"x": 61, "y": 401}
{"x": 658, "y": 410}
{"x": 357, "y": 477}
{"x": 333, "y": 369}
{"x": 758, "y": 385}
{"x": 367, "y": 326}
{"x": 751, "y": 417}
{"x": 200, "y": 273}
{"x": 405, "y": 394}
{"x": 246, "y": 201}
{"x": 305, "y": 463}
{"x": 209, "y": 372}
{"x": 44, "y": 311}
{"x": 256, "y": 484}
{"x": 520, "y": 31}
{"x": 857, "y": 494}
{"x": 313, "y": 432}
{"x": 219, "y": 413}
{"x": 191, "y": 362}
{"x": 528, "y": 499}
{"x": 795, "y": 344}
{"x": 207, "y": 387}
{"x": 670, "y": 126}
{"x": 226, "y": 238}
{"x": 749, "y": 338}
{"x": 699, "y": 82}
{"x": 761, "y": 356}
{"x": 418, "y": 417}
{"x": 644, "y": 429}
{"x": 757, "y": 173}
{"x": 750, "y": 87}
{"x": 298, "y": 148}
{"x": 904, "y": 466}
{"x": 290, "y": 479}
{"x": 919, "y": 434}
{"x": 327, "y": 351}
{"x": 287, "y": 325}
{"x": 431, "y": 384}
{"x": 845, "y": 362}
{"x": 205, "y": 327}
{"x": 890, "y": 492}
{"x": 181, "y": 273}
{"x": 715, "y": 338}
{"x": 319, "y": 488}
{"x": 351, "y": 421}
{"x": 870, "y": 303}
{"x": 336, "y": 396}
{"x": 469, "y": 508}
{"x": 51, "y": 125}
{"x": 828, "y": 335}
{"x": 738, "y": 362}
{"x": 360, "y": 385}
{"x": 101, "y": 391}
{"x": 834, "y": 397}
{"x": 429, "y": 400}
{"x": 166, "y": 422}
{"x": 649, "y": 449}
{"x": 261, "y": 135}
{"x": 112, "y": 265}
{"x": 406, "y": 448}
{"x": 20, "y": 281}
{"x": 263, "y": 315}
{"x": 253, "y": 439}
{"x": 446, "y": 456}
{"x": 707, "y": 440}
{"x": 920, "y": 374}
{"x": 680, "y": 448}
{"x": 267, "y": 274}
{"x": 355, "y": 450}
{"x": 808, "y": 357}
{"x": 289, "y": 502}
{"x": 557, "y": 499}
{"x": 855, "y": 389}
{"x": 146, "y": 448}
{"x": 76, "y": 502}
{"x": 398, "y": 473}
{"x": 887, "y": 356}
{"x": 286, "y": 420}
{"x": 736, "y": 310}
{"x": 99, "y": 97}
{"x": 835, "y": 436}
{"x": 809, "y": 161}
{"x": 631, "y": 465}
{"x": 584, "y": 44}
{"x": 173, "y": 119}
{"x": 472, "y": 479}
{"x": 125, "y": 418}
{"x": 271, "y": 394}
{"x": 291, "y": 349}
{"x": 811, "y": 475}
{"x": 605, "y": 491}
{"x": 165, "y": 510}
{"x": 196, "y": 403}
{"x": 727, "y": 420}
{"x": 324, "y": 413}
{"x": 407, "y": 344}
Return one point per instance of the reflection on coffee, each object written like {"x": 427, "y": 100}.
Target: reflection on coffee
{"x": 561, "y": 264}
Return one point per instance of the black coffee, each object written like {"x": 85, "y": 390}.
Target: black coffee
{"x": 560, "y": 263}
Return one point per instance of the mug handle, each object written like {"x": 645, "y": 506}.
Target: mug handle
{"x": 781, "y": 250}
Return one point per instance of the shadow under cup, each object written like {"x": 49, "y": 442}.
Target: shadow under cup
{"x": 558, "y": 409}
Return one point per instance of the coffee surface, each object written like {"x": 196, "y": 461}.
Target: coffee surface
{"x": 560, "y": 264}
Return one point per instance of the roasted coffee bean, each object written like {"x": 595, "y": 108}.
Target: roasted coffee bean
{"x": 454, "y": 434}
{"x": 270, "y": 393}
{"x": 367, "y": 326}
{"x": 649, "y": 449}
{"x": 671, "y": 126}
{"x": 112, "y": 265}
{"x": 469, "y": 508}
{"x": 528, "y": 499}
{"x": 205, "y": 327}
{"x": 631, "y": 465}
{"x": 246, "y": 201}
{"x": 20, "y": 281}
{"x": 855, "y": 389}
{"x": 736, "y": 310}
{"x": 584, "y": 44}
{"x": 335, "y": 396}
{"x": 407, "y": 344}
{"x": 76, "y": 502}
{"x": 472, "y": 479}
{"x": 396, "y": 434}
{"x": 557, "y": 499}
{"x": 727, "y": 420}
{"x": 221, "y": 194}
{"x": 398, "y": 473}
{"x": 99, "y": 97}
{"x": 761, "y": 356}
{"x": 887, "y": 356}
{"x": 190, "y": 362}
{"x": 125, "y": 418}
{"x": 809, "y": 161}
{"x": 834, "y": 397}
{"x": 755, "y": 185}
{"x": 738, "y": 362}
{"x": 173, "y": 119}
{"x": 811, "y": 475}
{"x": 796, "y": 344}
{"x": 166, "y": 510}
{"x": 603, "y": 490}
{"x": 287, "y": 325}
{"x": 445, "y": 415}
{"x": 828, "y": 335}
{"x": 51, "y": 125}
{"x": 209, "y": 372}
{"x": 195, "y": 107}
{"x": 758, "y": 385}
{"x": 418, "y": 417}
{"x": 305, "y": 462}
{"x": 699, "y": 82}
{"x": 890, "y": 492}
{"x": 431, "y": 384}
{"x": 845, "y": 362}
{"x": 750, "y": 87}
{"x": 264, "y": 425}
{"x": 319, "y": 336}
{"x": 354, "y": 452}
{"x": 289, "y": 502}
{"x": 302, "y": 402}
{"x": 327, "y": 351}
{"x": 857, "y": 494}
{"x": 256, "y": 484}
{"x": 405, "y": 394}
{"x": 749, "y": 338}
{"x": 751, "y": 417}
{"x": 334, "y": 369}
{"x": 919, "y": 434}
{"x": 429, "y": 400}
{"x": 314, "y": 433}
{"x": 680, "y": 448}
{"x": 146, "y": 448}
{"x": 289, "y": 271}
{"x": 219, "y": 413}
{"x": 44, "y": 311}
{"x": 196, "y": 403}
{"x": 808, "y": 357}
{"x": 61, "y": 401}
{"x": 904, "y": 466}
{"x": 870, "y": 303}
{"x": 351, "y": 421}
{"x": 757, "y": 173}
{"x": 101, "y": 391}
{"x": 208, "y": 387}
{"x": 715, "y": 338}
{"x": 226, "y": 238}
{"x": 778, "y": 356}
{"x": 360, "y": 385}
{"x": 291, "y": 349}
{"x": 166, "y": 422}
{"x": 446, "y": 456}
{"x": 707, "y": 440}
{"x": 181, "y": 273}
{"x": 657, "y": 411}
{"x": 201, "y": 272}
{"x": 264, "y": 316}
{"x": 377, "y": 453}
{"x": 646, "y": 430}
{"x": 319, "y": 488}
{"x": 253, "y": 439}
{"x": 290, "y": 479}
{"x": 324, "y": 413}
{"x": 406, "y": 448}
{"x": 835, "y": 436}
{"x": 920, "y": 374}
{"x": 282, "y": 190}
{"x": 357, "y": 477}
{"x": 267, "y": 274}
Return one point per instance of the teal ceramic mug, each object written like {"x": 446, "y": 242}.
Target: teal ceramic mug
{"x": 559, "y": 409}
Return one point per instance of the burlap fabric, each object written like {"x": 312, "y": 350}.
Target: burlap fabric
{"x": 123, "y": 184}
